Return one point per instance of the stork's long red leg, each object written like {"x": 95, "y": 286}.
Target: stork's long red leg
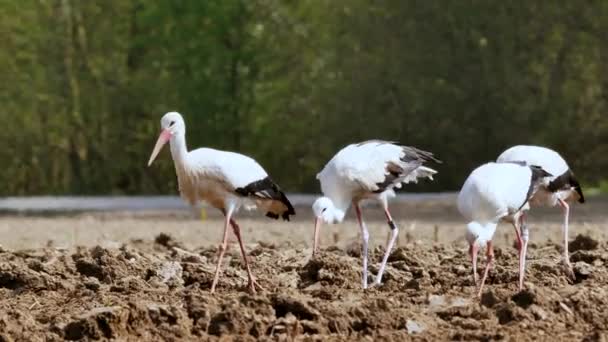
{"x": 473, "y": 250}
{"x": 223, "y": 247}
{"x": 389, "y": 246}
{"x": 489, "y": 260}
{"x": 237, "y": 232}
{"x": 525, "y": 235}
{"x": 522, "y": 246}
{"x": 365, "y": 237}
{"x": 566, "y": 257}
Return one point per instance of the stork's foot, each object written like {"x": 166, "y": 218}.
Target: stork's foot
{"x": 254, "y": 286}
{"x": 567, "y": 266}
{"x": 376, "y": 283}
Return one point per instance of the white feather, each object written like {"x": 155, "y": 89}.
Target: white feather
{"x": 549, "y": 160}
{"x": 546, "y": 158}
{"x": 357, "y": 169}
{"x": 493, "y": 191}
{"x": 234, "y": 169}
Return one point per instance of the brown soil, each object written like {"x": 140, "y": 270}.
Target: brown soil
{"x": 160, "y": 291}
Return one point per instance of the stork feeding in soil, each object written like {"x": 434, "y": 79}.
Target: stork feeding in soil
{"x": 225, "y": 180}
{"x": 496, "y": 192}
{"x": 562, "y": 188}
{"x": 367, "y": 170}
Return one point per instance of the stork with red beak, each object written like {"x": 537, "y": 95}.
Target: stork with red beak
{"x": 368, "y": 170}
{"x": 492, "y": 193}
{"x": 225, "y": 180}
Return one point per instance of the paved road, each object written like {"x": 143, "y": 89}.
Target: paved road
{"x": 49, "y": 204}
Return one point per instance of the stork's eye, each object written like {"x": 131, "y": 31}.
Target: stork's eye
{"x": 323, "y": 210}
{"x": 171, "y": 123}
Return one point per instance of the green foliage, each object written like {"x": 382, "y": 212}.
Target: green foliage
{"x": 290, "y": 82}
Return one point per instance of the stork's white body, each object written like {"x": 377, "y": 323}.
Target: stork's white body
{"x": 561, "y": 189}
{"x": 550, "y": 161}
{"x": 356, "y": 170}
{"x": 367, "y": 170}
{"x": 492, "y": 193}
{"x": 210, "y": 175}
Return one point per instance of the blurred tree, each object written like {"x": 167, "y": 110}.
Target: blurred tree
{"x": 290, "y": 82}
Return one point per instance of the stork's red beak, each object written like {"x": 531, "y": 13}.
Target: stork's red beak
{"x": 165, "y": 135}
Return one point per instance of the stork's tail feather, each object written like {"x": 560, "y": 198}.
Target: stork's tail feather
{"x": 411, "y": 153}
{"x": 419, "y": 172}
{"x": 285, "y": 212}
{"x": 577, "y": 187}
{"x": 567, "y": 180}
{"x": 425, "y": 172}
{"x": 270, "y": 196}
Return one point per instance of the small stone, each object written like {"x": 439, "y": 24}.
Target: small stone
{"x": 92, "y": 284}
{"x": 171, "y": 270}
{"x": 582, "y": 269}
{"x": 459, "y": 301}
{"x": 436, "y": 302}
{"x": 168, "y": 273}
{"x": 413, "y": 327}
{"x": 538, "y": 312}
{"x": 314, "y": 287}
{"x": 187, "y": 256}
{"x": 467, "y": 323}
{"x": 460, "y": 270}
{"x": 311, "y": 327}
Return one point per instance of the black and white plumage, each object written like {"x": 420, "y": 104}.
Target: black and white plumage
{"x": 496, "y": 192}
{"x": 225, "y": 180}
{"x": 367, "y": 170}
{"x": 562, "y": 188}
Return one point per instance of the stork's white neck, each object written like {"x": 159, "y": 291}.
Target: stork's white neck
{"x": 341, "y": 206}
{"x": 179, "y": 151}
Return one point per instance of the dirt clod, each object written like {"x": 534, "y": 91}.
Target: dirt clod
{"x": 489, "y": 299}
{"x": 524, "y": 298}
{"x": 166, "y": 241}
{"x": 583, "y": 243}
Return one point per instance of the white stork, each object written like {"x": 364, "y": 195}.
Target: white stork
{"x": 563, "y": 187}
{"x": 496, "y": 192}
{"x": 225, "y": 180}
{"x": 367, "y": 170}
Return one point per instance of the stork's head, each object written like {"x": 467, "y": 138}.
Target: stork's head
{"x": 173, "y": 122}
{"x": 478, "y": 235}
{"x": 171, "y": 125}
{"x": 325, "y": 211}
